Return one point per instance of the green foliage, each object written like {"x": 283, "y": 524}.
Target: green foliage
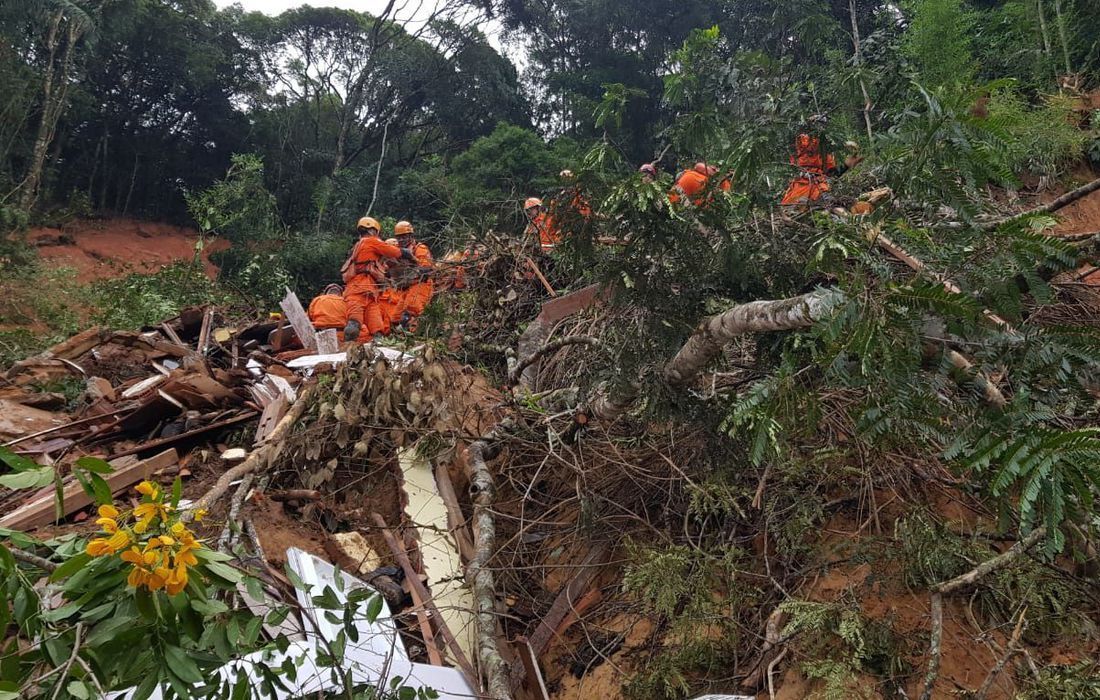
{"x": 839, "y": 643}
{"x": 938, "y": 42}
{"x": 930, "y": 554}
{"x": 1044, "y": 140}
{"x": 238, "y": 207}
{"x": 1080, "y": 681}
{"x": 140, "y": 300}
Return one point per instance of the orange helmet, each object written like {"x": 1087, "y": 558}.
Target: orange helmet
{"x": 368, "y": 222}
{"x": 532, "y": 202}
{"x": 402, "y": 228}
{"x": 700, "y": 168}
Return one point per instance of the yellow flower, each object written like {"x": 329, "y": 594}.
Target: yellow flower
{"x": 141, "y": 526}
{"x": 132, "y": 555}
{"x": 177, "y": 580}
{"x": 147, "y": 488}
{"x": 166, "y": 540}
{"x": 184, "y": 557}
{"x": 200, "y": 514}
{"x": 178, "y": 529}
{"x": 108, "y": 511}
{"x": 155, "y": 580}
{"x": 108, "y": 525}
{"x": 98, "y": 547}
{"x": 137, "y": 577}
{"x": 118, "y": 540}
{"x": 148, "y": 512}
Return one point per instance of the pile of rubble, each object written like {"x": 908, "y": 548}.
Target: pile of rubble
{"x": 143, "y": 401}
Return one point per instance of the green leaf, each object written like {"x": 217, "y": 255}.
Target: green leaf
{"x": 101, "y": 490}
{"x": 208, "y": 607}
{"x": 18, "y": 463}
{"x": 29, "y": 479}
{"x": 70, "y": 567}
{"x": 226, "y": 573}
{"x": 177, "y": 491}
{"x": 146, "y": 688}
{"x": 78, "y": 690}
{"x": 374, "y": 608}
{"x": 94, "y": 465}
{"x": 182, "y": 665}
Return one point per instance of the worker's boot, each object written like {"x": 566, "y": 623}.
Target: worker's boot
{"x": 351, "y": 330}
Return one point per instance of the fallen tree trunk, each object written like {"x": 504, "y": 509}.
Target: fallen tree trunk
{"x": 482, "y": 491}
{"x": 706, "y": 343}
{"x": 754, "y": 317}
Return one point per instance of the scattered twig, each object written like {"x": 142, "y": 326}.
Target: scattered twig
{"x": 69, "y": 663}
{"x": 967, "y": 579}
{"x": 516, "y": 372}
{"x": 34, "y": 559}
{"x": 257, "y": 460}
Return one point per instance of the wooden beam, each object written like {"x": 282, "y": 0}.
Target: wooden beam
{"x": 569, "y": 595}
{"x": 414, "y": 581}
{"x": 299, "y": 319}
{"x": 40, "y": 510}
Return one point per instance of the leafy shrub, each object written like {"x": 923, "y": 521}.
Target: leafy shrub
{"x": 1076, "y": 682}
{"x": 141, "y": 300}
{"x": 1043, "y": 140}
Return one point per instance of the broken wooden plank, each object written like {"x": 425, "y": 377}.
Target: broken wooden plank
{"x": 570, "y": 594}
{"x": 68, "y": 349}
{"x": 426, "y": 599}
{"x": 171, "y": 334}
{"x": 327, "y": 342}
{"x": 143, "y": 386}
{"x": 40, "y": 510}
{"x": 273, "y": 413}
{"x": 204, "y": 332}
{"x": 533, "y": 679}
{"x": 299, "y": 320}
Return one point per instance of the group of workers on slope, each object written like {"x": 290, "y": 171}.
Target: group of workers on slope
{"x": 810, "y": 184}
{"x": 387, "y": 284}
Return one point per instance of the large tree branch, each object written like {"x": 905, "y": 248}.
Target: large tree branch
{"x": 1051, "y": 207}
{"x": 754, "y": 317}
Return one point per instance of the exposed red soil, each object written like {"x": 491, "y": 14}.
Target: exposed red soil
{"x": 102, "y": 249}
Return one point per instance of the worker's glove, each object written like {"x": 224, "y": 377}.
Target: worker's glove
{"x": 405, "y": 318}
{"x": 852, "y": 161}
{"x": 407, "y": 254}
{"x": 351, "y": 330}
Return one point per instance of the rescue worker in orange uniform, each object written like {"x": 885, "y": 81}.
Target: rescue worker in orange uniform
{"x": 364, "y": 273}
{"x": 329, "y": 310}
{"x": 419, "y": 293}
{"x": 538, "y": 224}
{"x": 391, "y": 300}
{"x": 691, "y": 184}
{"x": 814, "y": 165}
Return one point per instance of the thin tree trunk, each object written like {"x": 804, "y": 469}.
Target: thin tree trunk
{"x": 42, "y": 140}
{"x": 133, "y": 180}
{"x": 1043, "y": 29}
{"x": 858, "y": 55}
{"x": 1061, "y": 21}
{"x": 378, "y": 170}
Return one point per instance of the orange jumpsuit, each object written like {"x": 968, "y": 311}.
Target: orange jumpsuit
{"x": 692, "y": 183}
{"x": 419, "y": 294}
{"x": 549, "y": 228}
{"x": 362, "y": 291}
{"x": 811, "y": 182}
{"x": 329, "y": 311}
